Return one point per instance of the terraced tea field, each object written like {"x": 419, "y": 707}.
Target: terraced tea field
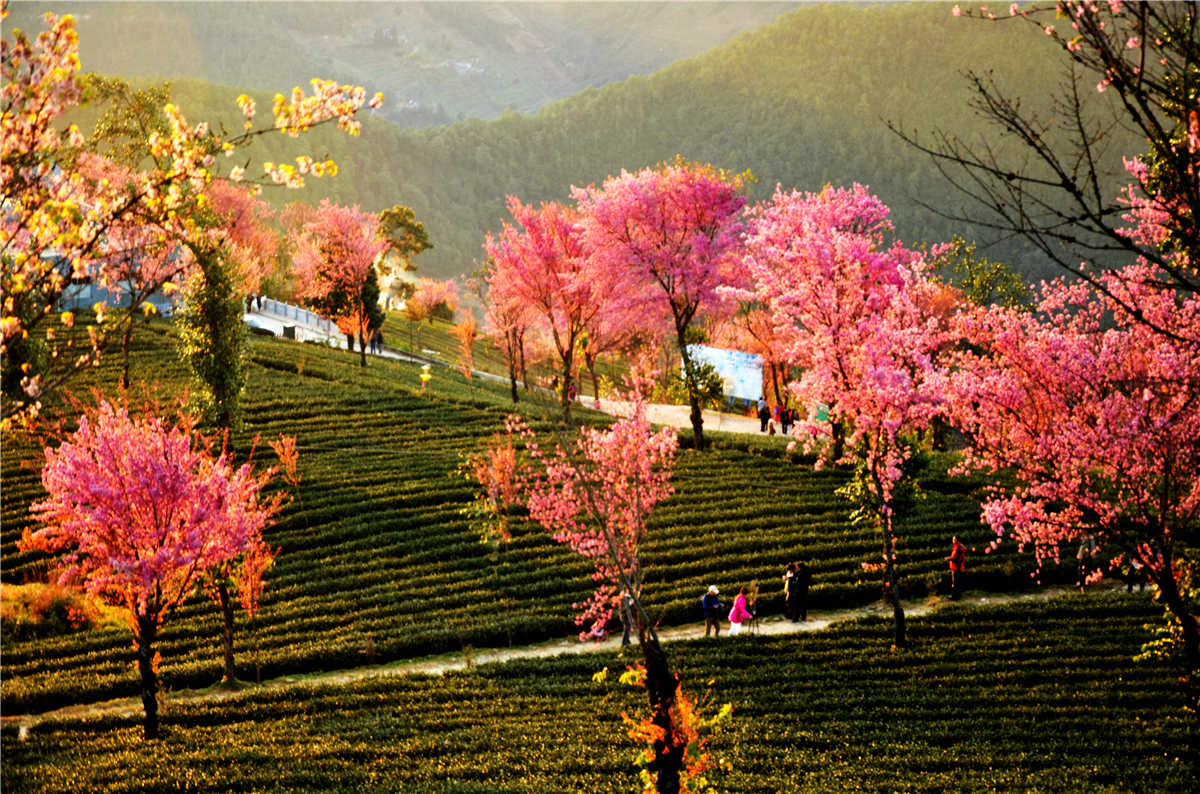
{"x": 1040, "y": 696}
{"x": 378, "y": 564}
{"x": 376, "y": 554}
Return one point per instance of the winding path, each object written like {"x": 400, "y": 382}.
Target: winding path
{"x": 438, "y": 665}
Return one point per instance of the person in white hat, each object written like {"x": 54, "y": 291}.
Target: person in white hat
{"x": 712, "y": 611}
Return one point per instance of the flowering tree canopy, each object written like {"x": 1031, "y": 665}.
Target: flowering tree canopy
{"x": 245, "y": 226}
{"x": 677, "y": 229}
{"x": 334, "y": 255}
{"x": 1098, "y": 416}
{"x": 854, "y": 315}
{"x": 433, "y": 298}
{"x": 142, "y": 511}
{"x": 543, "y": 267}
{"x": 597, "y": 498}
{"x": 596, "y": 495}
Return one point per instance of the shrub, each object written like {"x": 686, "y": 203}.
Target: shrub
{"x": 45, "y": 610}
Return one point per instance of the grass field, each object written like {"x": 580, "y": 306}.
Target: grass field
{"x": 377, "y": 563}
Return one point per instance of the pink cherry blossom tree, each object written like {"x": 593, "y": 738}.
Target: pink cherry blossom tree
{"x": 333, "y": 258}
{"x": 141, "y": 511}
{"x": 238, "y": 579}
{"x": 139, "y": 255}
{"x": 596, "y": 494}
{"x": 1098, "y": 414}
{"x": 676, "y": 228}
{"x": 506, "y": 322}
{"x": 853, "y": 314}
{"x": 433, "y": 298}
{"x": 245, "y": 225}
{"x": 544, "y": 267}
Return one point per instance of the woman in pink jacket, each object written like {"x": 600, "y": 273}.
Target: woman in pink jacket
{"x": 739, "y": 613}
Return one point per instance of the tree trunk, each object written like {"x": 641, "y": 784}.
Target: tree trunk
{"x": 891, "y": 584}
{"x": 510, "y": 349}
{"x": 564, "y": 399}
{"x": 147, "y": 632}
{"x": 693, "y": 399}
{"x": 1169, "y": 592}
{"x": 524, "y": 370}
{"x": 226, "y": 599}
{"x": 839, "y": 440}
{"x": 125, "y": 345}
{"x": 775, "y": 378}
{"x": 662, "y": 687}
{"x": 591, "y": 365}
{"x": 362, "y": 339}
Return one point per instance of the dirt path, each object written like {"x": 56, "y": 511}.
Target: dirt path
{"x": 458, "y": 661}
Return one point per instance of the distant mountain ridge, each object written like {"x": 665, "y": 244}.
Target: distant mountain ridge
{"x": 801, "y": 103}
{"x": 435, "y": 61}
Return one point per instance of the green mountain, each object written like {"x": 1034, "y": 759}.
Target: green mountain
{"x": 800, "y": 103}
{"x": 435, "y": 61}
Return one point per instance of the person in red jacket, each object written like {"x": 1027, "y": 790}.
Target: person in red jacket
{"x": 958, "y": 561}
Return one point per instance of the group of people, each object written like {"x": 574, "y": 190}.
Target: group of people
{"x": 741, "y": 613}
{"x": 375, "y": 341}
{"x": 786, "y": 417}
{"x": 797, "y": 580}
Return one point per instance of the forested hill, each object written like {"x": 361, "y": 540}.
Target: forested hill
{"x": 436, "y": 61}
{"x": 801, "y": 102}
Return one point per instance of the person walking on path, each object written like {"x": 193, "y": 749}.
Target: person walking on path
{"x": 798, "y": 593}
{"x": 626, "y": 608}
{"x": 712, "y": 610}
{"x": 958, "y": 561}
{"x": 739, "y": 614}
{"x": 788, "y": 603}
{"x": 764, "y": 413}
{"x": 1086, "y": 555}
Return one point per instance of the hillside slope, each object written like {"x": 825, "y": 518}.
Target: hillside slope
{"x": 436, "y": 61}
{"x": 378, "y": 558}
{"x": 800, "y": 103}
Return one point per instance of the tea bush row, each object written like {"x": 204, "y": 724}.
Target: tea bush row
{"x": 1029, "y": 696}
{"x": 375, "y": 552}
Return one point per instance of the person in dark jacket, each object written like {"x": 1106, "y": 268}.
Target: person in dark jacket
{"x": 788, "y": 573}
{"x": 712, "y": 611}
{"x": 626, "y": 611}
{"x": 764, "y": 413}
{"x": 798, "y": 593}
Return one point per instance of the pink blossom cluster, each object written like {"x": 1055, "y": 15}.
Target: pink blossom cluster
{"x": 334, "y": 251}
{"x": 637, "y": 260}
{"x": 854, "y": 315}
{"x": 596, "y": 495}
{"x": 142, "y": 511}
{"x": 1093, "y": 408}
